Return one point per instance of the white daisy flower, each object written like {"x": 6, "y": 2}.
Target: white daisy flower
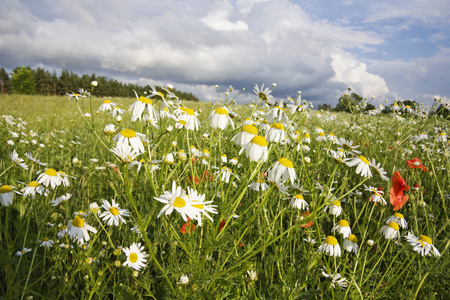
{"x": 259, "y": 185}
{"x": 299, "y": 202}
{"x": 281, "y": 171}
{"x": 47, "y": 243}
{"x": 220, "y": 118}
{"x": 135, "y": 256}
{"x": 49, "y": 177}
{"x": 334, "y": 208}
{"x": 391, "y": 231}
{"x": 60, "y": 200}
{"x": 330, "y": 246}
{"x": 130, "y": 137}
{"x": 245, "y": 135}
{"x": 176, "y": 200}
{"x": 32, "y": 188}
{"x": 343, "y": 228}
{"x": 350, "y": 244}
{"x": 18, "y": 161}
{"x": 423, "y": 245}
{"x": 107, "y": 105}
{"x": 399, "y": 219}
{"x": 78, "y": 229}
{"x": 276, "y": 133}
{"x": 363, "y": 166}
{"x": 113, "y": 214}
{"x": 256, "y": 149}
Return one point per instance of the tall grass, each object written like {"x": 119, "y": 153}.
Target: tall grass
{"x": 253, "y": 233}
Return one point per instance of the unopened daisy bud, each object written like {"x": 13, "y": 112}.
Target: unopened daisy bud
{"x": 135, "y": 273}
{"x": 75, "y": 160}
{"x": 118, "y": 118}
{"x": 181, "y": 155}
{"x": 94, "y": 83}
{"x": 117, "y": 263}
{"x": 169, "y": 128}
{"x": 306, "y": 159}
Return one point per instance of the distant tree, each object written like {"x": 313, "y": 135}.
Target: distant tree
{"x": 369, "y": 107}
{"x": 43, "y": 82}
{"x": 64, "y": 83}
{"x": 22, "y": 81}
{"x": 444, "y": 111}
{"x": 325, "y": 107}
{"x": 349, "y": 103}
{"x": 4, "y": 81}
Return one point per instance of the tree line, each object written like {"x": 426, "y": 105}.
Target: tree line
{"x": 24, "y": 80}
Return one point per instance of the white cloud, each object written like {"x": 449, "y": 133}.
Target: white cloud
{"x": 354, "y": 73}
{"x": 197, "y": 44}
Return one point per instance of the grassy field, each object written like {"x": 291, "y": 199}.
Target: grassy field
{"x": 313, "y": 205}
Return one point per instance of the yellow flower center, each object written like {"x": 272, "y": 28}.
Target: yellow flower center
{"x": 262, "y": 96}
{"x": 322, "y": 133}
{"x": 398, "y": 215}
{"x": 259, "y": 140}
{"x": 250, "y": 129}
{"x": 46, "y": 240}
{"x": 307, "y": 135}
{"x": 352, "y": 238}
{"x": 331, "y": 134}
{"x": 128, "y": 133}
{"x": 161, "y": 94}
{"x": 188, "y": 111}
{"x": 394, "y": 226}
{"x": 133, "y": 257}
{"x": 51, "y": 172}
{"x": 343, "y": 223}
{"x": 442, "y": 133}
{"x": 5, "y": 189}
{"x": 199, "y": 206}
{"x": 145, "y": 100}
{"x": 179, "y": 202}
{"x": 260, "y": 181}
{"x": 298, "y": 196}
{"x": 33, "y": 184}
{"x": 363, "y": 159}
{"x": 107, "y": 101}
{"x": 336, "y": 203}
{"x": 182, "y": 122}
{"x": 278, "y": 126}
{"x": 286, "y": 162}
{"x": 221, "y": 111}
{"x": 331, "y": 240}
{"x": 78, "y": 222}
{"x": 114, "y": 211}
{"x": 426, "y": 239}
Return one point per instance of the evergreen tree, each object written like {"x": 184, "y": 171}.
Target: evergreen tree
{"x": 4, "y": 81}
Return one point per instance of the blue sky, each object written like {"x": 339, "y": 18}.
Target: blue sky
{"x": 381, "y": 49}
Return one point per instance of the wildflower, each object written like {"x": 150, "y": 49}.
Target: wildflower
{"x": 258, "y": 185}
{"x": 396, "y": 193}
{"x": 399, "y": 219}
{"x": 306, "y": 138}
{"x": 178, "y": 201}
{"x": 220, "y": 118}
{"x": 113, "y": 214}
{"x": 377, "y": 198}
{"x": 47, "y": 243}
{"x": 363, "y": 166}
{"x": 130, "y": 137}
{"x": 110, "y": 129}
{"x": 184, "y": 279}
{"x": 350, "y": 243}
{"x": 6, "y": 195}
{"x": 336, "y": 279}
{"x": 263, "y": 93}
{"x": 256, "y": 149}
{"x": 18, "y": 161}
{"x": 321, "y": 137}
{"x": 60, "y": 200}
{"x": 343, "y": 228}
{"x": 23, "y": 251}
{"x": 188, "y": 225}
{"x": 416, "y": 164}
{"x": 330, "y": 246}
{"x": 50, "y": 177}
{"x": 125, "y": 153}
{"x": 225, "y": 174}
{"x": 168, "y": 158}
{"x": 283, "y": 169}
{"x": 142, "y": 109}
{"x": 303, "y": 215}
{"x": 32, "y": 188}
{"x": 276, "y": 133}
{"x": 442, "y": 137}
{"x": 390, "y": 231}
{"x": 334, "y": 208}
{"x": 107, "y": 105}
{"x": 245, "y": 135}
{"x": 78, "y": 229}
{"x": 253, "y": 275}
{"x": 198, "y": 202}
{"x": 135, "y": 256}
{"x": 298, "y": 202}
{"x": 370, "y": 242}
{"x": 187, "y": 116}
{"x": 423, "y": 245}
{"x": 348, "y": 146}
{"x": 116, "y": 112}
{"x": 379, "y": 170}
{"x": 223, "y": 158}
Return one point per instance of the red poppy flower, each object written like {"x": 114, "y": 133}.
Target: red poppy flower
{"x": 396, "y": 194}
{"x": 183, "y": 227}
{"x": 416, "y": 164}
{"x": 304, "y": 214}
{"x": 222, "y": 224}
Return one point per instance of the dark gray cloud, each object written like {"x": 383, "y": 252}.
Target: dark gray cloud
{"x": 198, "y": 44}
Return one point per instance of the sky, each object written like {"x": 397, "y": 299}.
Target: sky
{"x": 382, "y": 49}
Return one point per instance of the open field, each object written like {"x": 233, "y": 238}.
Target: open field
{"x": 310, "y": 205}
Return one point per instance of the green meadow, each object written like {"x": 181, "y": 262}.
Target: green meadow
{"x": 176, "y": 199}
